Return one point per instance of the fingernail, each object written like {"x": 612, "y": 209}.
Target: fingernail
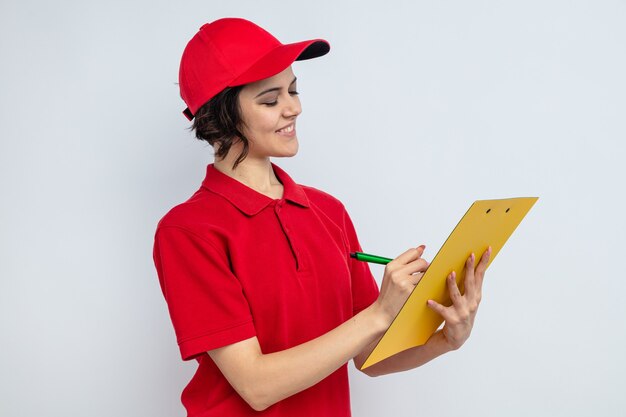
{"x": 473, "y": 257}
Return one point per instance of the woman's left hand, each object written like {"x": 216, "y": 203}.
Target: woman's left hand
{"x": 459, "y": 317}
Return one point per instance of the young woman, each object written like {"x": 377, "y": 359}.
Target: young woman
{"x": 255, "y": 268}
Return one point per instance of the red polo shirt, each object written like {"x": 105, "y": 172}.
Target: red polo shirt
{"x": 234, "y": 263}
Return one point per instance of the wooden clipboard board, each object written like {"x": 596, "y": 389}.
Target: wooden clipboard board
{"x": 486, "y": 223}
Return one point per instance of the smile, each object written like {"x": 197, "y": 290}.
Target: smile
{"x": 287, "y": 129}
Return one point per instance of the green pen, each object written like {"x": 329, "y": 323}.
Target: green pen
{"x": 366, "y": 257}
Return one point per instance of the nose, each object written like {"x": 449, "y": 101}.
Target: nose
{"x": 292, "y": 107}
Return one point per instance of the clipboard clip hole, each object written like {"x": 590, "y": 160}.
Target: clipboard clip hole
{"x": 488, "y": 210}
{"x": 507, "y": 210}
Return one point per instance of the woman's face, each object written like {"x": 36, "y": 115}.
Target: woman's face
{"x": 269, "y": 109}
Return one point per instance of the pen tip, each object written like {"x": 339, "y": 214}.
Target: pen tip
{"x": 352, "y": 254}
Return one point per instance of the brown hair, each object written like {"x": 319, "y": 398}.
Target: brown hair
{"x": 218, "y": 122}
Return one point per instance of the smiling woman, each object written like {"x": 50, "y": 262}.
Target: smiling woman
{"x": 255, "y": 268}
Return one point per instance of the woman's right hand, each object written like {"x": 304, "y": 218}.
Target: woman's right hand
{"x": 263, "y": 379}
{"x": 400, "y": 278}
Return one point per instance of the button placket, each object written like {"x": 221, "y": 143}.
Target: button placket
{"x": 286, "y": 231}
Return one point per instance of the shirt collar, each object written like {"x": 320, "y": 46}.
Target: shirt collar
{"x": 245, "y": 198}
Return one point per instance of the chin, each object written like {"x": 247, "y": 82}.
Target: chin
{"x": 290, "y": 150}
{"x": 286, "y": 154}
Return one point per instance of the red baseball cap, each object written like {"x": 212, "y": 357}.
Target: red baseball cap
{"x": 232, "y": 51}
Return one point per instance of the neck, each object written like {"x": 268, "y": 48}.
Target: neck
{"x": 256, "y": 173}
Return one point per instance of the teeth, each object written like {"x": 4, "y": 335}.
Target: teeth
{"x": 287, "y": 129}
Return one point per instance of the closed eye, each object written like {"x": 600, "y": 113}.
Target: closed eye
{"x": 275, "y": 102}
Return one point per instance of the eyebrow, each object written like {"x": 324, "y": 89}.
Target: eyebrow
{"x": 269, "y": 90}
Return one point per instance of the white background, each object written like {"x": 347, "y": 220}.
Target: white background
{"x": 419, "y": 109}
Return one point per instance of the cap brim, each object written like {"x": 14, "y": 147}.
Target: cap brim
{"x": 280, "y": 58}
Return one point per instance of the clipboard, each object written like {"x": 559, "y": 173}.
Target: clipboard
{"x": 486, "y": 223}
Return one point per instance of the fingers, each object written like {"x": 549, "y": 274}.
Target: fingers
{"x": 418, "y": 265}
{"x": 414, "y": 269}
{"x": 469, "y": 282}
{"x": 408, "y": 256}
{"x": 482, "y": 265}
{"x": 455, "y": 296}
{"x": 484, "y": 259}
{"x": 403, "y": 271}
{"x": 437, "y": 308}
{"x": 459, "y": 316}
{"x": 474, "y": 274}
{"x": 414, "y": 279}
{"x": 453, "y": 289}
{"x": 410, "y": 262}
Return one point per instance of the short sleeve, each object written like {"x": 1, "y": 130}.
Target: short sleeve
{"x": 364, "y": 288}
{"x": 205, "y": 300}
